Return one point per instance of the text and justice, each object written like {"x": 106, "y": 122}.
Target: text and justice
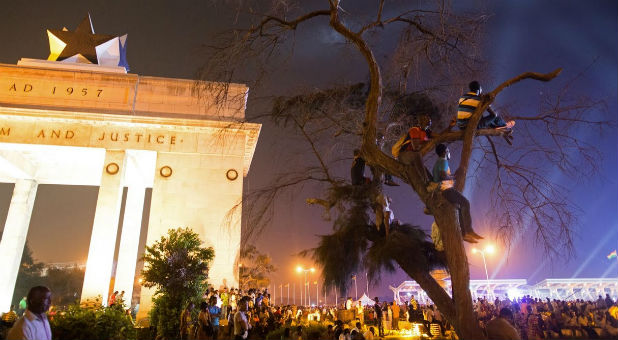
{"x": 110, "y": 136}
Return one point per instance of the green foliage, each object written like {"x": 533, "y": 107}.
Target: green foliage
{"x": 177, "y": 267}
{"x": 165, "y": 316}
{"x": 92, "y": 323}
{"x": 256, "y": 267}
{"x": 356, "y": 242}
{"x": 29, "y": 275}
{"x": 65, "y": 284}
{"x": 340, "y": 253}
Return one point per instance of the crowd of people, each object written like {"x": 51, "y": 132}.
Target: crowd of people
{"x": 252, "y": 315}
{"x": 534, "y": 318}
{"x": 234, "y": 314}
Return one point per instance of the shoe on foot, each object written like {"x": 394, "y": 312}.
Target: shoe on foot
{"x": 509, "y": 125}
{"x": 468, "y": 238}
{"x": 475, "y": 235}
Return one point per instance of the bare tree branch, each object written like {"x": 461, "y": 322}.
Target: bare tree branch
{"x": 469, "y": 132}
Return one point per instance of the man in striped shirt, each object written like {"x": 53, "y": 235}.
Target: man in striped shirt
{"x": 469, "y": 102}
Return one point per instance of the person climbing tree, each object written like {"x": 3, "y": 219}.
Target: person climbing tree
{"x": 357, "y": 172}
{"x": 442, "y": 175}
{"x": 407, "y": 148}
{"x": 384, "y": 214}
{"x": 388, "y": 178}
{"x": 469, "y": 102}
{"x": 412, "y": 141}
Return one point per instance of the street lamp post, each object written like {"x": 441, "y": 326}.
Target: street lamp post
{"x": 300, "y": 269}
{"x": 240, "y": 276}
{"x": 489, "y": 249}
{"x": 317, "y": 294}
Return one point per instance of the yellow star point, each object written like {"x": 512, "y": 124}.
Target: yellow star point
{"x": 55, "y": 46}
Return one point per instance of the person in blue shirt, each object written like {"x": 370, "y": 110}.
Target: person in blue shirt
{"x": 215, "y": 313}
{"x": 442, "y": 175}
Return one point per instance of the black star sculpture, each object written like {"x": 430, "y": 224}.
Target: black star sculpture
{"x": 82, "y": 41}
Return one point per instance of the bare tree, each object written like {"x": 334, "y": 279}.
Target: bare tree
{"x": 435, "y": 53}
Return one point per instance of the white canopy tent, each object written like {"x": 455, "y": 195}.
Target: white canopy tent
{"x": 366, "y": 301}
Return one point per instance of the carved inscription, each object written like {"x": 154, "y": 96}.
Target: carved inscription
{"x": 113, "y": 136}
{"x": 59, "y": 90}
{"x": 137, "y": 137}
{"x": 57, "y": 134}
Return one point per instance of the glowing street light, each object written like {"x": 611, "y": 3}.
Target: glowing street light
{"x": 489, "y": 249}
{"x": 299, "y": 270}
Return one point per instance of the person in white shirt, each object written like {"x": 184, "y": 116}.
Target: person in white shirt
{"x": 33, "y": 325}
{"x": 241, "y": 324}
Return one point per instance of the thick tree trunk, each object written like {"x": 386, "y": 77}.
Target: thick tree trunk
{"x": 464, "y": 321}
{"x": 433, "y": 289}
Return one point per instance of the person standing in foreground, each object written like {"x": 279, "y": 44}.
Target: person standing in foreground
{"x": 501, "y": 328}
{"x": 215, "y": 313}
{"x": 396, "y": 311}
{"x": 241, "y": 324}
{"x": 378, "y": 310}
{"x": 33, "y": 325}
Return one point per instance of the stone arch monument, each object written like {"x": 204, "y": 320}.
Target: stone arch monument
{"x": 75, "y": 122}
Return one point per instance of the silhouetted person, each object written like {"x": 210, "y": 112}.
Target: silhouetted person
{"x": 33, "y": 325}
{"x": 357, "y": 172}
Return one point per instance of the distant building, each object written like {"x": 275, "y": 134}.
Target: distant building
{"x": 561, "y": 289}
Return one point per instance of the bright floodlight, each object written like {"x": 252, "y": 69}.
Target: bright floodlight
{"x": 514, "y": 293}
{"x": 490, "y": 249}
{"x": 312, "y": 269}
{"x": 474, "y": 250}
{"x": 299, "y": 269}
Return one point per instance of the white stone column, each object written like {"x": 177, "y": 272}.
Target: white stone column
{"x": 139, "y": 175}
{"x": 14, "y": 238}
{"x": 104, "y": 229}
{"x": 129, "y": 241}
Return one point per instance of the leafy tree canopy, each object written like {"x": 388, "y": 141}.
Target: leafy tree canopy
{"x": 177, "y": 263}
{"x": 255, "y": 269}
{"x": 177, "y": 267}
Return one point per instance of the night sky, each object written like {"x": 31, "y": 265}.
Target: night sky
{"x": 166, "y": 39}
